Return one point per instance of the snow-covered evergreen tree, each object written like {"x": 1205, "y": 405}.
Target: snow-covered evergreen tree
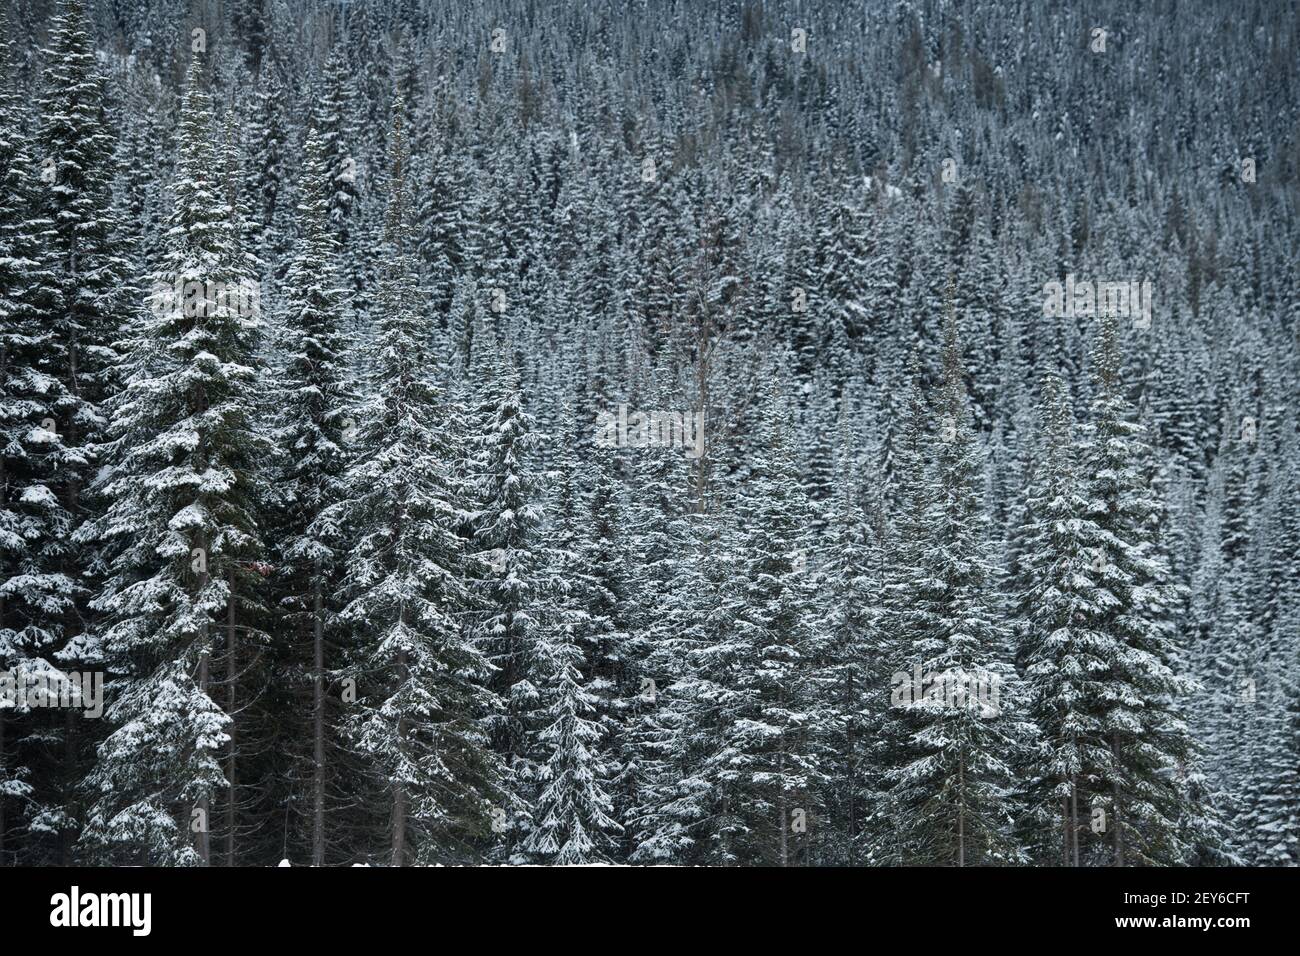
{"x": 506, "y": 544}
{"x": 767, "y": 757}
{"x": 34, "y": 594}
{"x": 572, "y": 821}
{"x": 854, "y": 676}
{"x": 1064, "y": 661}
{"x": 419, "y": 680}
{"x": 182, "y": 525}
{"x": 579, "y": 224}
{"x": 312, "y": 434}
{"x": 1143, "y": 783}
{"x": 952, "y": 795}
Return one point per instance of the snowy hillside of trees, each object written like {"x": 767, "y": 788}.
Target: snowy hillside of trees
{"x": 729, "y": 433}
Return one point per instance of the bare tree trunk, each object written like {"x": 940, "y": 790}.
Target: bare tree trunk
{"x": 232, "y": 672}
{"x": 318, "y": 725}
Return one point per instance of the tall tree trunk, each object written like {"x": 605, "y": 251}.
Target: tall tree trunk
{"x": 785, "y": 830}
{"x": 202, "y": 840}
{"x": 69, "y": 787}
{"x": 2, "y": 766}
{"x": 853, "y": 778}
{"x": 1065, "y": 831}
{"x": 961, "y": 810}
{"x": 72, "y": 624}
{"x": 399, "y": 791}
{"x": 1074, "y": 818}
{"x": 399, "y": 824}
{"x": 1119, "y": 836}
{"x": 318, "y": 724}
{"x": 232, "y": 672}
{"x": 725, "y": 842}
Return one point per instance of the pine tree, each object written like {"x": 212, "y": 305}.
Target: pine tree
{"x": 677, "y": 811}
{"x": 76, "y": 150}
{"x": 441, "y": 230}
{"x": 335, "y": 120}
{"x": 268, "y": 202}
{"x": 655, "y": 682}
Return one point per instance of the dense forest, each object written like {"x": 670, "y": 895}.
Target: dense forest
{"x": 751, "y": 432}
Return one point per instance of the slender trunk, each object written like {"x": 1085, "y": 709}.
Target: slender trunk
{"x": 1065, "y": 831}
{"x": 232, "y": 671}
{"x": 1115, "y": 808}
{"x": 701, "y": 464}
{"x": 783, "y": 817}
{"x": 961, "y": 810}
{"x": 725, "y": 842}
{"x": 1074, "y": 818}
{"x": 2, "y": 768}
{"x": 69, "y": 783}
{"x": 202, "y": 841}
{"x": 399, "y": 826}
{"x": 399, "y": 791}
{"x": 72, "y": 625}
{"x": 318, "y": 724}
{"x": 853, "y": 776}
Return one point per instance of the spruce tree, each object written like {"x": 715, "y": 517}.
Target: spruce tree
{"x": 181, "y": 526}
{"x": 767, "y": 754}
{"x": 572, "y": 821}
{"x": 506, "y": 542}
{"x": 1144, "y": 792}
{"x": 854, "y": 674}
{"x": 420, "y": 694}
{"x": 311, "y": 433}
{"x": 1064, "y": 661}
{"x": 35, "y": 595}
{"x": 951, "y": 796}
{"x": 76, "y": 152}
